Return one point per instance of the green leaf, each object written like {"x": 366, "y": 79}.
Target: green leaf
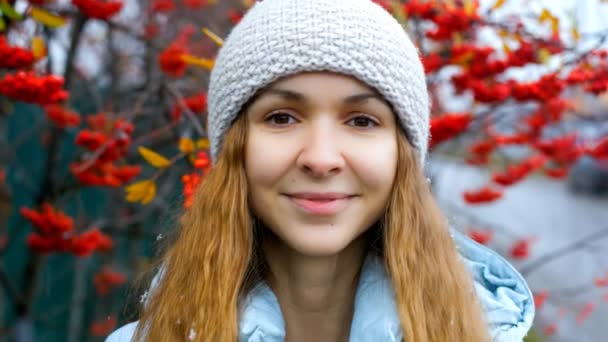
{"x": 2, "y": 24}
{"x": 47, "y": 18}
{"x": 8, "y": 11}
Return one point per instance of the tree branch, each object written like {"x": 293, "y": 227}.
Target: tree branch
{"x": 565, "y": 250}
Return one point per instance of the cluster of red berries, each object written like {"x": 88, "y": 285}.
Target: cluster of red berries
{"x": 191, "y": 180}
{"x": 108, "y": 139}
{"x": 447, "y": 126}
{"x": 28, "y": 87}
{"x": 106, "y": 279}
{"x": 61, "y": 116}
{"x": 14, "y": 57}
{"x": 56, "y": 233}
{"x": 98, "y": 9}
{"x": 195, "y": 103}
{"x": 448, "y": 19}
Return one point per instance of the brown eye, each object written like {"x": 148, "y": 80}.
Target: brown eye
{"x": 280, "y": 119}
{"x": 363, "y": 122}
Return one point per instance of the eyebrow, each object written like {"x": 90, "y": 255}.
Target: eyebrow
{"x": 291, "y": 95}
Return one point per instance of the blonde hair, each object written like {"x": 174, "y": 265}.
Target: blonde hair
{"x": 215, "y": 259}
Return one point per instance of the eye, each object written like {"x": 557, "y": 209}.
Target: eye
{"x": 280, "y": 119}
{"x": 363, "y": 121}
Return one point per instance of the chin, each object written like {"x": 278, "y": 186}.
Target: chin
{"x": 318, "y": 245}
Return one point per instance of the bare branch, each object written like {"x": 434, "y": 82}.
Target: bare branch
{"x": 563, "y": 251}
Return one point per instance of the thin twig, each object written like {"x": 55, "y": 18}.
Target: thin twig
{"x": 565, "y": 250}
{"x": 10, "y": 288}
{"x": 191, "y": 116}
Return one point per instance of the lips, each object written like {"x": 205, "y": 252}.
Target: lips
{"x": 321, "y": 203}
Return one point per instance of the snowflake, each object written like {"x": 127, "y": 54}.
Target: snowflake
{"x": 192, "y": 335}
{"x": 143, "y": 297}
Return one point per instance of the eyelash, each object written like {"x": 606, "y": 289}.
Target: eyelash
{"x": 371, "y": 119}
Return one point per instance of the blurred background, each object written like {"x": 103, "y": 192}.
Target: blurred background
{"x": 102, "y": 141}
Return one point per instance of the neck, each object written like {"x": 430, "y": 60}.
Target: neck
{"x": 316, "y": 293}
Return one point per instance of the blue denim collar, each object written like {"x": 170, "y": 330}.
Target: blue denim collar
{"x": 504, "y": 295}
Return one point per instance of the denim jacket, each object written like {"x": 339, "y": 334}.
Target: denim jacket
{"x": 504, "y": 295}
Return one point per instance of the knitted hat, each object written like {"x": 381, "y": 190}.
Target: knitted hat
{"x": 359, "y": 38}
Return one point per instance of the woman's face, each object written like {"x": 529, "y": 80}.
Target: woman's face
{"x": 321, "y": 157}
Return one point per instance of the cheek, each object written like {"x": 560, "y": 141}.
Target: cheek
{"x": 376, "y": 164}
{"x": 265, "y": 160}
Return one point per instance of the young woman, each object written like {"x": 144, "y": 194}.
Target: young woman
{"x": 316, "y": 222}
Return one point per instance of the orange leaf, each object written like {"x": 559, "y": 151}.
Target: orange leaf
{"x": 142, "y": 191}
{"x": 470, "y": 7}
{"x": 153, "y": 158}
{"x": 545, "y": 15}
{"x": 543, "y": 55}
{"x": 214, "y": 37}
{"x": 575, "y": 34}
{"x": 202, "y": 62}
{"x": 202, "y": 144}
{"x": 186, "y": 145}
{"x": 498, "y": 4}
{"x": 38, "y": 47}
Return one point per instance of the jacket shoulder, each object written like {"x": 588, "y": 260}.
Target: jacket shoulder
{"x": 123, "y": 334}
{"x": 504, "y": 294}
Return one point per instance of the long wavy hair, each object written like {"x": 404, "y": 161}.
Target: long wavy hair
{"x": 214, "y": 259}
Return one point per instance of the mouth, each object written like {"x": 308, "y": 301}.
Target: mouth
{"x": 323, "y": 204}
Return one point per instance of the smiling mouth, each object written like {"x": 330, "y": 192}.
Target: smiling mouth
{"x": 321, "y": 205}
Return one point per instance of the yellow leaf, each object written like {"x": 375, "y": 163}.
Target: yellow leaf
{"x": 543, "y": 55}
{"x": 465, "y": 59}
{"x": 575, "y": 34}
{"x": 517, "y": 36}
{"x": 186, "y": 145}
{"x": 38, "y": 47}
{"x": 149, "y": 195}
{"x": 398, "y": 12}
{"x": 247, "y": 3}
{"x": 457, "y": 38}
{"x": 202, "y": 144}
{"x": 214, "y": 37}
{"x": 498, "y": 4}
{"x": 470, "y": 6}
{"x": 554, "y": 25}
{"x": 142, "y": 191}
{"x": 153, "y": 158}
{"x": 545, "y": 15}
{"x": 46, "y": 18}
{"x": 202, "y": 62}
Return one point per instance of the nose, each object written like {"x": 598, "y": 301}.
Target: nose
{"x": 321, "y": 154}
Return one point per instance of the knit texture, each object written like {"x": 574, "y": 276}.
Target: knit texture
{"x": 278, "y": 38}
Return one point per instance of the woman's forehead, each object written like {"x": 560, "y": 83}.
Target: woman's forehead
{"x": 306, "y": 87}
{"x": 316, "y": 78}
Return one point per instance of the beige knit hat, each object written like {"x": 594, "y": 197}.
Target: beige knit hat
{"x": 278, "y": 38}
